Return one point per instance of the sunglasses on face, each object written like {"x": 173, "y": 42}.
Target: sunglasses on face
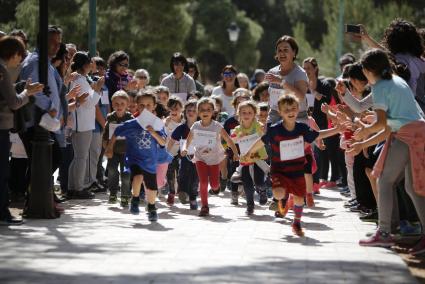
{"x": 228, "y": 74}
{"x": 123, "y": 65}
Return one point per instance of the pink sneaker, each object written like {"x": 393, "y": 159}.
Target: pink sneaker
{"x": 329, "y": 184}
{"x": 316, "y": 188}
{"x": 419, "y": 248}
{"x": 378, "y": 240}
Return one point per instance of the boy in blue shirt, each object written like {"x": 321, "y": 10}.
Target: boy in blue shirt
{"x": 141, "y": 154}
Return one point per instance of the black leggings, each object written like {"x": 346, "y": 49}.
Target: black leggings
{"x": 336, "y": 157}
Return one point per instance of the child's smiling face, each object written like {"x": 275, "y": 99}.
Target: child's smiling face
{"x": 289, "y": 112}
{"x": 146, "y": 103}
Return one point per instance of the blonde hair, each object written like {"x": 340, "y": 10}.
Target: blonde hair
{"x": 120, "y": 94}
{"x": 250, "y": 104}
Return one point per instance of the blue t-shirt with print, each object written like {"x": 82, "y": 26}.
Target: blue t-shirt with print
{"x": 142, "y": 148}
{"x": 163, "y": 155}
{"x": 396, "y": 98}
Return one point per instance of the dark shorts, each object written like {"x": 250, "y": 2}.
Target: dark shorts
{"x": 148, "y": 178}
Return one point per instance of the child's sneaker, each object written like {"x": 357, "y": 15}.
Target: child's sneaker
{"x": 263, "y": 197}
{"x": 183, "y": 197}
{"x": 282, "y": 209}
{"x": 234, "y": 200}
{"x": 309, "y": 200}
{"x": 419, "y": 248}
{"x": 205, "y": 211}
{"x": 379, "y": 239}
{"x": 153, "y": 216}
{"x": 170, "y": 199}
{"x": 297, "y": 230}
{"x": 112, "y": 199}
{"x": 193, "y": 205}
{"x": 134, "y": 208}
{"x": 124, "y": 201}
{"x": 214, "y": 192}
{"x": 249, "y": 210}
{"x": 316, "y": 188}
{"x": 410, "y": 229}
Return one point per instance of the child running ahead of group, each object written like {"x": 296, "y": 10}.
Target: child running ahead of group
{"x": 141, "y": 154}
{"x": 287, "y": 138}
{"x": 249, "y": 131}
{"x": 120, "y": 101}
{"x": 206, "y": 135}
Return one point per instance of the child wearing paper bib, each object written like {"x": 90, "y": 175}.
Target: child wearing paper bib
{"x": 187, "y": 179}
{"x": 141, "y": 156}
{"x": 288, "y": 159}
{"x": 247, "y": 133}
{"x": 206, "y": 136}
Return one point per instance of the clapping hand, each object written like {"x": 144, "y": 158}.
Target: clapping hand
{"x": 33, "y": 88}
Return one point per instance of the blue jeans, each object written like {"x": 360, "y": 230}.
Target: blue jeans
{"x": 116, "y": 161}
{"x": 4, "y": 174}
{"x": 188, "y": 178}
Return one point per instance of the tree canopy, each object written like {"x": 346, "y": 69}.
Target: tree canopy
{"x": 151, "y": 31}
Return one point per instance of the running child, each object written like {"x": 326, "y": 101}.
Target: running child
{"x": 120, "y": 101}
{"x": 287, "y": 138}
{"x": 245, "y": 134}
{"x": 206, "y": 136}
{"x": 187, "y": 180}
{"x": 141, "y": 154}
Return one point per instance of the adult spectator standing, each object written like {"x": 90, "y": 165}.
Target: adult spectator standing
{"x": 179, "y": 82}
{"x": 83, "y": 124}
{"x": 12, "y": 50}
{"x": 117, "y": 76}
{"x": 287, "y": 77}
{"x": 50, "y": 103}
{"x": 229, "y": 84}
{"x": 321, "y": 89}
{"x": 143, "y": 78}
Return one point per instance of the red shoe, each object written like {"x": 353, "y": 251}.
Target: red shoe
{"x": 378, "y": 240}
{"x": 170, "y": 199}
{"x": 419, "y": 248}
{"x": 297, "y": 230}
{"x": 309, "y": 200}
{"x": 329, "y": 184}
{"x": 316, "y": 188}
{"x": 322, "y": 183}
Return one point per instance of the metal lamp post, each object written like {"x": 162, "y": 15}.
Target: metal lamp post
{"x": 233, "y": 31}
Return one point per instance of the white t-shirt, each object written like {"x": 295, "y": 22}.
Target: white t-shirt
{"x": 227, "y": 100}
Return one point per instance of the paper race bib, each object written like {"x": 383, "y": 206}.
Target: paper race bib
{"x": 203, "y": 138}
{"x": 104, "y": 98}
{"x": 147, "y": 118}
{"x": 292, "y": 149}
{"x": 275, "y": 95}
{"x": 246, "y": 142}
{"x": 112, "y": 127}
{"x": 182, "y": 96}
{"x": 190, "y": 150}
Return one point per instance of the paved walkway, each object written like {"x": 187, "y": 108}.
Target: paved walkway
{"x": 99, "y": 243}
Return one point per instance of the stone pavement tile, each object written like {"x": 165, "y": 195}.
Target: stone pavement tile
{"x": 95, "y": 242}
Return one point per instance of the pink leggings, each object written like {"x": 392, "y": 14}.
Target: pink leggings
{"x": 205, "y": 173}
{"x": 161, "y": 173}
